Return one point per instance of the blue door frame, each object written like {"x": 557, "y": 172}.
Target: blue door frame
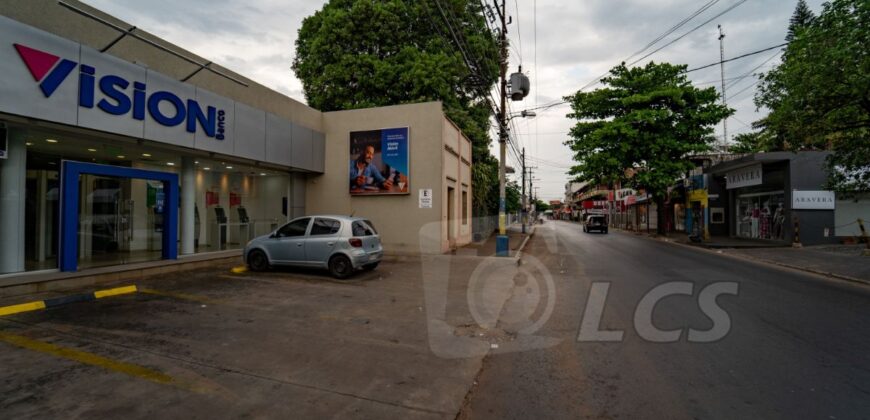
{"x": 69, "y": 218}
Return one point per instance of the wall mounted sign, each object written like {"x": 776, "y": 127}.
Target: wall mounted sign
{"x": 425, "y": 198}
{"x": 379, "y": 162}
{"x": 51, "y": 78}
{"x": 744, "y": 177}
{"x": 813, "y": 200}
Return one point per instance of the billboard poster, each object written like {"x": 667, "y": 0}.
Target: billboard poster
{"x": 379, "y": 162}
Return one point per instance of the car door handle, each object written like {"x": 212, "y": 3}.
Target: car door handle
{"x": 299, "y": 244}
{"x": 330, "y": 243}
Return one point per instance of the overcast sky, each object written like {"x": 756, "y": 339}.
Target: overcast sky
{"x": 562, "y": 45}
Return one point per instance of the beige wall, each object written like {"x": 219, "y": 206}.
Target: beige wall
{"x": 50, "y": 16}
{"x": 456, "y": 156}
{"x": 398, "y": 218}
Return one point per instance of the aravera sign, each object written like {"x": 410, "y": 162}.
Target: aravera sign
{"x": 744, "y": 177}
{"x": 813, "y": 200}
{"x": 50, "y": 71}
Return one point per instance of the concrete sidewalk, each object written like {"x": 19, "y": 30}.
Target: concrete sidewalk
{"x": 487, "y": 248}
{"x": 840, "y": 261}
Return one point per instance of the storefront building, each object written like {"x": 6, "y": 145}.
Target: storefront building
{"x": 119, "y": 147}
{"x": 767, "y": 194}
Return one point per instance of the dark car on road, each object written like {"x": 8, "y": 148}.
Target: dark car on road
{"x": 595, "y": 222}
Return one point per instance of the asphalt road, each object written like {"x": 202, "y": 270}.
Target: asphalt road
{"x": 798, "y": 345}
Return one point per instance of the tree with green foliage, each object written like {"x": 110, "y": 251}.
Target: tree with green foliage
{"x": 512, "y": 197}
{"x": 541, "y": 206}
{"x": 819, "y": 97}
{"x": 801, "y": 18}
{"x": 364, "y": 53}
{"x": 640, "y": 129}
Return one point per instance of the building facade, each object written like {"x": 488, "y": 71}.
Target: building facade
{"x": 121, "y": 147}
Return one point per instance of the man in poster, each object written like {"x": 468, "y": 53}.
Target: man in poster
{"x": 364, "y": 175}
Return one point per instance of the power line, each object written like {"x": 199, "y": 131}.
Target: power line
{"x": 692, "y": 16}
{"x": 750, "y": 72}
{"x": 554, "y": 104}
{"x": 736, "y": 58}
{"x": 732, "y": 7}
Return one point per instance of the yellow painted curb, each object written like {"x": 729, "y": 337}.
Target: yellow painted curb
{"x": 24, "y": 307}
{"x": 114, "y": 292}
{"x": 239, "y": 270}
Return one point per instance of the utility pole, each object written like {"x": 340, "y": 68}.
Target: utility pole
{"x": 724, "y": 102}
{"x": 523, "y": 210}
{"x": 501, "y": 243}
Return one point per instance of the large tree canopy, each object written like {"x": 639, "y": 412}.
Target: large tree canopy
{"x": 365, "y": 53}
{"x": 640, "y": 129}
{"x": 819, "y": 97}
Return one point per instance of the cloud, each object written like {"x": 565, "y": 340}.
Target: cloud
{"x": 577, "y": 41}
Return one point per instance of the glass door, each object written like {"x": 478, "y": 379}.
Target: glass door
{"x": 116, "y": 226}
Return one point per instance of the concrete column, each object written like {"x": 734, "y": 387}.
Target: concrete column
{"x": 188, "y": 201}
{"x": 13, "y": 174}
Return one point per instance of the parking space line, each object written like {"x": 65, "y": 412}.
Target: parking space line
{"x": 64, "y": 300}
{"x": 86, "y": 358}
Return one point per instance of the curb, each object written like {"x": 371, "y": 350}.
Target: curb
{"x": 519, "y": 254}
{"x": 63, "y": 300}
{"x": 766, "y": 261}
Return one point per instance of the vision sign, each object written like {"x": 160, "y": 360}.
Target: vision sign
{"x": 50, "y": 71}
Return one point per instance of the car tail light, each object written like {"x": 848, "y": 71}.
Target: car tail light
{"x": 355, "y": 242}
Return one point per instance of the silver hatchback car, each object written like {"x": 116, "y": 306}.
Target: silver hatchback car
{"x": 340, "y": 244}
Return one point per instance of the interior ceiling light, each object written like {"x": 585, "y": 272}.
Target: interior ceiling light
{"x": 170, "y": 163}
{"x": 196, "y": 162}
{"x": 29, "y": 144}
{"x": 262, "y": 174}
{"x": 229, "y": 167}
{"x": 207, "y": 168}
{"x": 121, "y": 156}
{"x": 92, "y": 150}
{"x": 51, "y": 140}
{"x": 146, "y": 154}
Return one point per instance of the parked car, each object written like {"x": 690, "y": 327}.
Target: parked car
{"x": 340, "y": 244}
{"x": 595, "y": 222}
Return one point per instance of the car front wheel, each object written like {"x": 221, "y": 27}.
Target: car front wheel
{"x": 340, "y": 266}
{"x": 258, "y": 261}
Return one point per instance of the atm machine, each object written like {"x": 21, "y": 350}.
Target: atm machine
{"x": 220, "y": 226}
{"x": 244, "y": 225}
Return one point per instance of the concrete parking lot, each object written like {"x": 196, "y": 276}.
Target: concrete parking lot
{"x": 219, "y": 344}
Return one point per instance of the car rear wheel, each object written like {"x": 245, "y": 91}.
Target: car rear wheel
{"x": 340, "y": 266}
{"x": 258, "y": 261}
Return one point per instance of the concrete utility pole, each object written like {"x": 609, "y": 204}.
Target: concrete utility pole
{"x": 501, "y": 243}
{"x": 523, "y": 209}
{"x": 724, "y": 102}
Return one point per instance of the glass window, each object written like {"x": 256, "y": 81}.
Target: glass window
{"x": 362, "y": 229}
{"x": 325, "y": 226}
{"x": 465, "y": 207}
{"x": 294, "y": 228}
